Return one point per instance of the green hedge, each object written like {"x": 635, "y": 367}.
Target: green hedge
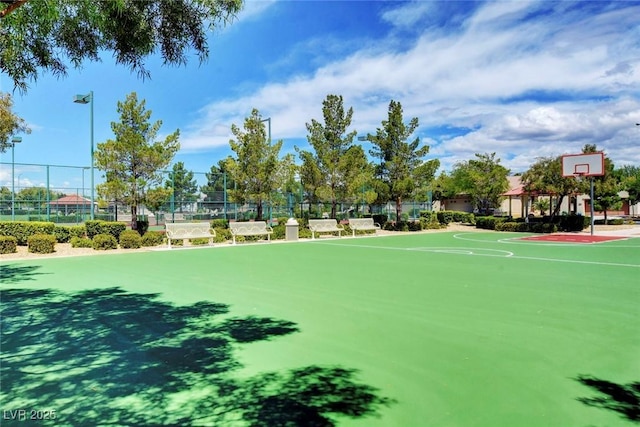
{"x": 41, "y": 243}
{"x": 152, "y": 238}
{"x": 8, "y": 245}
{"x": 81, "y": 242}
{"x": 64, "y": 233}
{"x": 219, "y": 223}
{"x": 22, "y": 230}
{"x": 96, "y": 227}
{"x": 130, "y": 239}
{"x": 523, "y": 227}
{"x": 488, "y": 222}
{"x": 103, "y": 242}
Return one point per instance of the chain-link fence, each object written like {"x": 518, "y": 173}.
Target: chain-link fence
{"x": 62, "y": 194}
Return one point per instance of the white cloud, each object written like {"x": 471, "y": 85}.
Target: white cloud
{"x": 463, "y": 79}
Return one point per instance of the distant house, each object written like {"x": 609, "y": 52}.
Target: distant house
{"x": 71, "y": 204}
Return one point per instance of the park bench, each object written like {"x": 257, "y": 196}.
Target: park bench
{"x": 362, "y": 224}
{"x": 251, "y": 228}
{"x": 189, "y": 230}
{"x": 324, "y": 226}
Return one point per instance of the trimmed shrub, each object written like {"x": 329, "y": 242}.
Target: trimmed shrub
{"x": 222, "y": 234}
{"x": 488, "y": 222}
{"x": 96, "y": 227}
{"x": 81, "y": 242}
{"x": 219, "y": 223}
{"x": 543, "y": 228}
{"x": 103, "y": 242}
{"x": 130, "y": 239}
{"x": 21, "y": 230}
{"x": 199, "y": 241}
{"x": 445, "y": 217}
{"x": 415, "y": 226}
{"x": 512, "y": 226}
{"x": 152, "y": 238}
{"x": 41, "y": 243}
{"x": 61, "y": 233}
{"x": 64, "y": 233}
{"x": 93, "y": 227}
{"x": 8, "y": 245}
{"x": 611, "y": 221}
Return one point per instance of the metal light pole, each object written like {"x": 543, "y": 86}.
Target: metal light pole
{"x": 15, "y": 140}
{"x": 88, "y": 99}
{"x": 268, "y": 119}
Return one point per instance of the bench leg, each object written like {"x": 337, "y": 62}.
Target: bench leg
{"x": 234, "y": 238}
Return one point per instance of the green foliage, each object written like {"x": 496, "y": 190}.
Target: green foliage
{"x": 156, "y": 198}
{"x": 65, "y": 232}
{"x": 512, "y": 226}
{"x": 222, "y": 234}
{"x": 41, "y": 243}
{"x": 199, "y": 241}
{"x": 8, "y": 245}
{"x": 337, "y": 169}
{"x": 183, "y": 184}
{"x": 401, "y": 170}
{"x": 103, "y": 242}
{"x": 81, "y": 242}
{"x": 447, "y": 217}
{"x": 573, "y": 222}
{"x": 21, "y": 230}
{"x": 483, "y": 179}
{"x": 257, "y": 169}
{"x": 488, "y": 222}
{"x": 219, "y": 223}
{"x": 10, "y": 123}
{"x": 152, "y": 238}
{"x": 545, "y": 176}
{"x": 95, "y": 227}
{"x": 134, "y": 159}
{"x": 130, "y": 239}
{"x": 42, "y": 36}
{"x": 614, "y": 221}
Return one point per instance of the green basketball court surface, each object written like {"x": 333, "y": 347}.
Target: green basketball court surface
{"x": 442, "y": 329}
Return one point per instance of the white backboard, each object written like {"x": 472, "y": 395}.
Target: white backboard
{"x": 591, "y": 164}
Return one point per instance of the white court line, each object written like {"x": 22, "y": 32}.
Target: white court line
{"x": 463, "y": 251}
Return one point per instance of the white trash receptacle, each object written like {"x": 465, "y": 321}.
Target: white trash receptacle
{"x": 291, "y": 229}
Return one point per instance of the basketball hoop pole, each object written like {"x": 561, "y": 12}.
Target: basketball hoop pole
{"x": 591, "y": 207}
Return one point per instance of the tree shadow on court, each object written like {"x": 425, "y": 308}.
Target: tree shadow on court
{"x": 17, "y": 273}
{"x": 621, "y": 398}
{"x": 109, "y": 357}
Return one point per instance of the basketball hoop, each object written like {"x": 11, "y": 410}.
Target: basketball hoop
{"x": 583, "y": 165}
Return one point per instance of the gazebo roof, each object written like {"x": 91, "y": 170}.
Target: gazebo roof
{"x": 72, "y": 199}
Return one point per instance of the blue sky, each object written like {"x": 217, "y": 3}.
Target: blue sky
{"x": 520, "y": 78}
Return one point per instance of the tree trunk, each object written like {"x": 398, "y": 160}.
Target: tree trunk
{"x": 134, "y": 217}
{"x": 555, "y": 211}
{"x": 605, "y": 216}
{"x": 399, "y": 209}
{"x": 259, "y": 211}
{"x": 334, "y": 209}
